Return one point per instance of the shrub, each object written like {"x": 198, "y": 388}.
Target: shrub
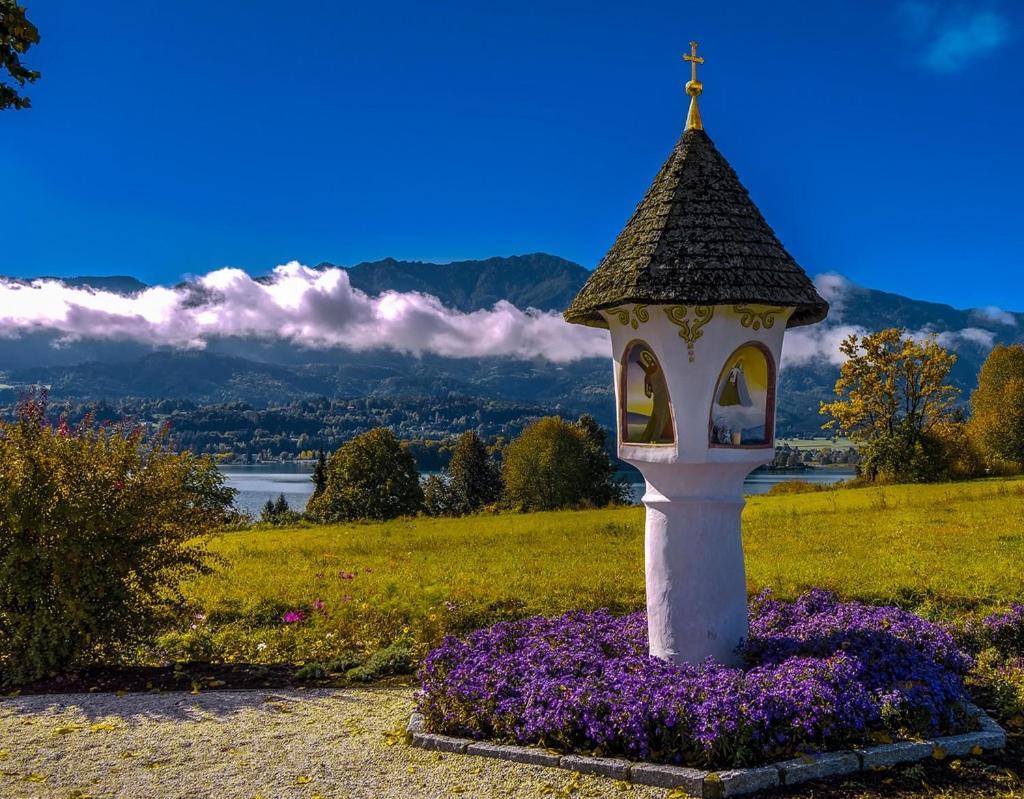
{"x": 369, "y": 477}
{"x": 820, "y": 674}
{"x": 1003, "y": 683}
{"x": 278, "y": 513}
{"x": 98, "y": 526}
{"x": 557, "y": 464}
{"x": 794, "y": 487}
{"x": 392, "y": 660}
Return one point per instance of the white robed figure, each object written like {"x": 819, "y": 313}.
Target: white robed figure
{"x": 735, "y": 411}
{"x": 734, "y": 388}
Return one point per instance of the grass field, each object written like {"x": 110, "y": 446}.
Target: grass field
{"x": 952, "y": 552}
{"x": 942, "y": 550}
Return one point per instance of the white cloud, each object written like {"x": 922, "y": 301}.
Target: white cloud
{"x": 307, "y": 307}
{"x": 834, "y": 287}
{"x": 816, "y": 343}
{"x": 993, "y": 313}
{"x": 951, "y": 35}
{"x": 951, "y": 339}
{"x": 320, "y": 309}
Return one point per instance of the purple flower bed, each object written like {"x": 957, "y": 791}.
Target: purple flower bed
{"x": 820, "y": 674}
{"x": 1005, "y": 631}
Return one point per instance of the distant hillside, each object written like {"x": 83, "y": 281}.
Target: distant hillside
{"x": 265, "y": 373}
{"x": 545, "y": 282}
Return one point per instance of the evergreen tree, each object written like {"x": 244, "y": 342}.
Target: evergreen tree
{"x": 320, "y": 473}
{"x": 277, "y": 511}
{"x": 473, "y": 478}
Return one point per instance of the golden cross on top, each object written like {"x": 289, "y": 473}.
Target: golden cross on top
{"x": 694, "y": 59}
{"x": 693, "y": 88}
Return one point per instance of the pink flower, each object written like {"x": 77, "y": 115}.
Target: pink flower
{"x": 346, "y": 575}
{"x": 319, "y": 605}
{"x": 293, "y": 616}
{"x": 346, "y": 598}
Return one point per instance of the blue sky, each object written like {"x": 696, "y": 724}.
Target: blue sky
{"x": 880, "y": 139}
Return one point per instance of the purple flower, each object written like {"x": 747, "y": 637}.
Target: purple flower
{"x": 293, "y": 616}
{"x": 319, "y": 606}
{"x": 1006, "y": 630}
{"x": 819, "y": 673}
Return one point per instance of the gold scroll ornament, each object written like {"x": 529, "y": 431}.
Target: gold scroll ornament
{"x": 690, "y": 328}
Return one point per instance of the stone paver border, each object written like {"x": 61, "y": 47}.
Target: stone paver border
{"x": 735, "y": 782}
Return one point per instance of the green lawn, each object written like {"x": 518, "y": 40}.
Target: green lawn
{"x": 942, "y": 550}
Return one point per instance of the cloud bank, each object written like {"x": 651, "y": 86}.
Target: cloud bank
{"x": 319, "y": 309}
{"x": 306, "y": 307}
{"x": 950, "y": 35}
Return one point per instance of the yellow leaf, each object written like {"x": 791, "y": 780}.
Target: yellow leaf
{"x": 939, "y": 753}
{"x": 102, "y": 726}
{"x": 35, "y": 778}
{"x": 302, "y": 779}
{"x": 66, "y": 729}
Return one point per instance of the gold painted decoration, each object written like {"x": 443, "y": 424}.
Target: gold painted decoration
{"x": 690, "y": 329}
{"x": 755, "y": 317}
{"x": 639, "y": 314}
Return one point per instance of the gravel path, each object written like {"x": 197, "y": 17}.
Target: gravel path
{"x": 334, "y": 744}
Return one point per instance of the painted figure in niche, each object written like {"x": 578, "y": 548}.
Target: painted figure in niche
{"x": 739, "y": 416}
{"x": 646, "y": 404}
{"x": 734, "y": 390}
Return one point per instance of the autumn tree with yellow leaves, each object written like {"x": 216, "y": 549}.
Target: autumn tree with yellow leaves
{"x": 997, "y": 409}
{"x": 893, "y": 398}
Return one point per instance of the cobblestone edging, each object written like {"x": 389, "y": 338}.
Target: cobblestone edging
{"x": 735, "y": 782}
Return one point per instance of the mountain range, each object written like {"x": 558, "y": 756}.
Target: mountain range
{"x": 264, "y": 373}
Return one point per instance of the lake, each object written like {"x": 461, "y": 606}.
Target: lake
{"x": 259, "y": 482}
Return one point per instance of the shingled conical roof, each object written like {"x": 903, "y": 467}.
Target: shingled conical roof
{"x": 697, "y": 239}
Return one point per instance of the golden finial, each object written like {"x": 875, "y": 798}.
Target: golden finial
{"x": 693, "y": 88}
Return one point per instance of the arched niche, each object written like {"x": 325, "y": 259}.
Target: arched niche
{"x": 743, "y": 405}
{"x": 646, "y": 406}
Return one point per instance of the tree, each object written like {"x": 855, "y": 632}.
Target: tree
{"x": 278, "y": 511}
{"x": 320, "y": 473}
{"x": 17, "y": 35}
{"x": 98, "y": 527}
{"x": 438, "y": 497}
{"x": 997, "y": 409}
{"x": 603, "y": 489}
{"x": 891, "y": 394}
{"x": 370, "y": 477}
{"x": 552, "y": 465}
{"x": 474, "y": 480}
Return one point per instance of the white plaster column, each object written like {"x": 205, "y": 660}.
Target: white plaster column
{"x": 696, "y": 585}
